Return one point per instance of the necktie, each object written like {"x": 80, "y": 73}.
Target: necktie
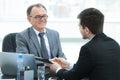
{"x": 44, "y": 51}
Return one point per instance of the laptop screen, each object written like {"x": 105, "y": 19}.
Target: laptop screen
{"x": 8, "y": 63}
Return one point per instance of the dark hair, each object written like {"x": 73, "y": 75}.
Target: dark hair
{"x": 93, "y": 19}
{"x": 34, "y": 5}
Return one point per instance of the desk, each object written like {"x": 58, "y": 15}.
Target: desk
{"x": 6, "y": 77}
{"x": 10, "y": 77}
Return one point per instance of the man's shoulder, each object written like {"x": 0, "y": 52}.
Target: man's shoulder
{"x": 25, "y": 32}
{"x": 51, "y": 30}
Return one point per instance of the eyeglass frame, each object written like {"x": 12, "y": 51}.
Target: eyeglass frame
{"x": 39, "y": 16}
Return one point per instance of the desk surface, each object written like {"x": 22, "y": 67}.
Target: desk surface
{"x": 6, "y": 77}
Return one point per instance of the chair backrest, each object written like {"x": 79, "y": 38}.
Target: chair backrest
{"x": 9, "y": 43}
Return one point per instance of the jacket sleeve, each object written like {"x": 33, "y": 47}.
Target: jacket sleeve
{"x": 81, "y": 69}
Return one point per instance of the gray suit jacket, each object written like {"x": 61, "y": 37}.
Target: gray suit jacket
{"x": 27, "y": 42}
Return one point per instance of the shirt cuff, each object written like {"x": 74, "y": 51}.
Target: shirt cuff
{"x": 58, "y": 69}
{"x": 70, "y": 66}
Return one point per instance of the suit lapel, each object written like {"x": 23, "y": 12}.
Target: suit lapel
{"x": 49, "y": 40}
{"x": 34, "y": 40}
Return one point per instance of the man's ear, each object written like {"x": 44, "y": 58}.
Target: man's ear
{"x": 28, "y": 18}
{"x": 87, "y": 30}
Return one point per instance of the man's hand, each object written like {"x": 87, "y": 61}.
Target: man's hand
{"x": 62, "y": 62}
{"x": 54, "y": 66}
{"x": 58, "y": 63}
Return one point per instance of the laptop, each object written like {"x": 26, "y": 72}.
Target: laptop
{"x": 8, "y": 63}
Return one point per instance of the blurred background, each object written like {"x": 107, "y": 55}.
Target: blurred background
{"x": 62, "y": 17}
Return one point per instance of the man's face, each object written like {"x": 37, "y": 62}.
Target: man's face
{"x": 38, "y": 18}
{"x": 83, "y": 32}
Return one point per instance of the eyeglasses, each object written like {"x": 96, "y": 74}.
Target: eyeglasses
{"x": 39, "y": 17}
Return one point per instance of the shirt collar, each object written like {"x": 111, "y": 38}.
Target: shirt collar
{"x": 92, "y": 37}
{"x": 37, "y": 32}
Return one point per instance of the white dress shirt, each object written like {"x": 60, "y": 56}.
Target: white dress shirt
{"x": 46, "y": 41}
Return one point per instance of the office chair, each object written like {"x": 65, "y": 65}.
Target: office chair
{"x": 9, "y": 43}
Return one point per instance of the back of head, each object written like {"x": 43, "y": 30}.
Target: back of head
{"x": 93, "y": 19}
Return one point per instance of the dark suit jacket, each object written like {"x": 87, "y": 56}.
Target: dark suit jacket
{"x": 99, "y": 59}
{"x": 27, "y": 42}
